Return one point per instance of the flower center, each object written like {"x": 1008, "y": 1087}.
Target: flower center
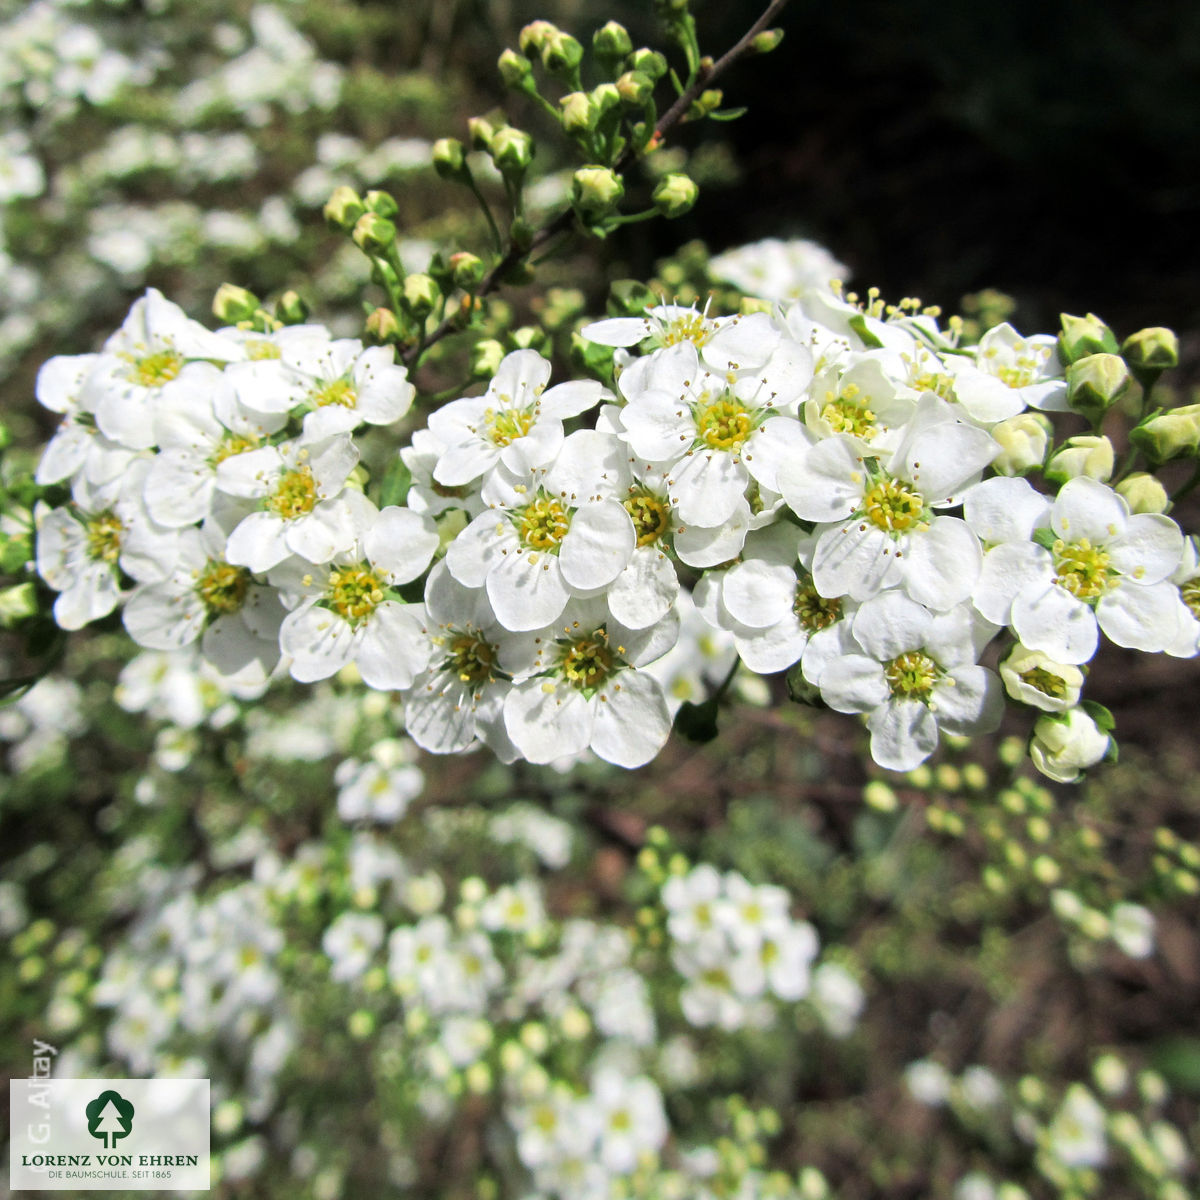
{"x": 813, "y": 610}
{"x": 691, "y": 327}
{"x": 505, "y": 426}
{"x": 353, "y": 593}
{"x": 231, "y": 444}
{"x": 543, "y": 524}
{"x": 104, "y": 537}
{"x": 340, "y": 392}
{"x": 1045, "y": 682}
{"x": 1191, "y": 596}
{"x": 651, "y": 516}
{"x": 848, "y": 411}
{"x": 1082, "y": 569}
{"x": 1022, "y": 370}
{"x": 893, "y": 507}
{"x": 222, "y": 587}
{"x": 257, "y": 349}
{"x": 588, "y": 662}
{"x": 911, "y": 675}
{"x": 155, "y": 369}
{"x": 724, "y": 424}
{"x": 295, "y": 494}
{"x": 472, "y": 659}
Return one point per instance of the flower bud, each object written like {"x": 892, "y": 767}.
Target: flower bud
{"x": 708, "y": 101}
{"x": 596, "y": 191}
{"x": 292, "y": 309}
{"x": 1081, "y": 336}
{"x": 1023, "y": 440}
{"x": 511, "y": 150}
{"x": 232, "y": 304}
{"x": 1065, "y": 745}
{"x": 373, "y": 233}
{"x": 766, "y": 41}
{"x": 449, "y": 158}
{"x": 1087, "y": 454}
{"x": 1036, "y": 679}
{"x": 1144, "y": 493}
{"x": 579, "y": 113}
{"x": 383, "y": 327}
{"x": 482, "y": 131}
{"x": 420, "y": 294}
{"x": 635, "y": 88}
{"x": 605, "y": 97}
{"x": 467, "y": 270}
{"x": 561, "y": 53}
{"x": 675, "y": 194}
{"x": 343, "y": 209}
{"x": 611, "y": 42}
{"x": 486, "y": 357}
{"x": 1171, "y": 434}
{"x": 533, "y": 36}
{"x": 1149, "y": 352}
{"x": 515, "y": 69}
{"x": 1095, "y": 383}
{"x": 16, "y": 604}
{"x": 382, "y": 203}
{"x": 648, "y": 62}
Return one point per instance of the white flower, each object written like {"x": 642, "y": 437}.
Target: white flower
{"x": 371, "y": 791}
{"x": 774, "y": 269}
{"x": 586, "y": 692}
{"x": 1075, "y": 1136}
{"x": 349, "y": 615}
{"x": 517, "y": 422}
{"x": 1009, "y": 373}
{"x": 305, "y": 507}
{"x": 1064, "y": 745}
{"x": 914, "y": 672}
{"x": 1100, "y": 566}
{"x": 880, "y": 526}
{"x": 838, "y": 998}
{"x": 928, "y": 1081}
{"x": 1133, "y": 929}
{"x": 632, "y": 1121}
{"x": 693, "y": 902}
{"x": 1036, "y": 679}
{"x": 351, "y": 942}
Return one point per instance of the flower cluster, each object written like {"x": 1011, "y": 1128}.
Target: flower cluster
{"x": 840, "y": 486}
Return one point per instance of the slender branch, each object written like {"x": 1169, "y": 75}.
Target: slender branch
{"x": 562, "y": 222}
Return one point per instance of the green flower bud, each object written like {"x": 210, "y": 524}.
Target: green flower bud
{"x": 292, "y": 309}
{"x": 1095, "y": 383}
{"x": 766, "y": 41}
{"x": 605, "y": 97}
{"x": 675, "y": 194}
{"x": 17, "y": 603}
{"x": 533, "y": 36}
{"x": 343, "y": 209}
{"x": 579, "y": 114}
{"x": 515, "y": 69}
{"x": 1144, "y": 493}
{"x": 1065, "y": 745}
{"x": 373, "y": 233}
{"x": 648, "y": 62}
{"x": 708, "y": 101}
{"x": 486, "y": 357}
{"x": 1036, "y": 679}
{"x": 467, "y": 268}
{"x": 449, "y": 158}
{"x": 1024, "y": 440}
{"x": 1149, "y": 352}
{"x": 596, "y": 191}
{"x": 635, "y": 89}
{"x": 482, "y": 131}
{"x": 1087, "y": 454}
{"x": 1171, "y": 434}
{"x": 232, "y": 304}
{"x": 384, "y": 327}
{"x": 1081, "y": 336}
{"x": 511, "y": 150}
{"x": 612, "y": 41}
{"x": 382, "y": 203}
{"x": 420, "y": 294}
{"x": 561, "y": 53}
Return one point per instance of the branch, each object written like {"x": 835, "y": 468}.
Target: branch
{"x": 563, "y": 221}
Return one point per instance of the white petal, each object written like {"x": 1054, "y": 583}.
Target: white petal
{"x": 759, "y": 594}
{"x": 400, "y": 543}
{"x": 645, "y": 590}
{"x": 547, "y": 720}
{"x": 1143, "y": 618}
{"x": 854, "y": 684}
{"x": 319, "y": 642}
{"x": 890, "y": 625}
{"x": 526, "y": 595}
{"x": 856, "y": 559}
{"x": 631, "y": 722}
{"x": 974, "y": 704}
{"x": 904, "y": 734}
{"x": 1008, "y": 569}
{"x": 1005, "y": 510}
{"x": 597, "y": 547}
{"x": 393, "y": 647}
{"x": 942, "y": 563}
{"x": 1047, "y": 617}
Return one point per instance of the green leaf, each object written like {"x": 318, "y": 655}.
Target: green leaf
{"x": 697, "y": 722}
{"x": 858, "y": 323}
{"x": 397, "y": 479}
{"x": 1045, "y": 538}
{"x": 727, "y": 114}
{"x": 1178, "y": 1060}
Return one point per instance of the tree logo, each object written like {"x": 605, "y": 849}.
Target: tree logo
{"x": 109, "y": 1117}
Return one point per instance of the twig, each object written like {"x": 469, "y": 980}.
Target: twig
{"x": 562, "y": 222}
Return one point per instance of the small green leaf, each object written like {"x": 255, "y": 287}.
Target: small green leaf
{"x": 397, "y": 480}
{"x": 697, "y": 722}
{"x": 858, "y": 323}
{"x": 1045, "y": 538}
{"x": 728, "y": 114}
